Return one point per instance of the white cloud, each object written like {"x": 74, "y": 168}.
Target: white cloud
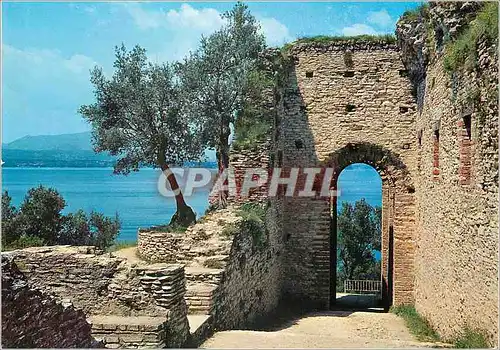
{"x": 206, "y": 20}
{"x": 276, "y": 33}
{"x": 380, "y": 18}
{"x": 188, "y": 24}
{"x": 359, "y": 29}
{"x": 47, "y": 60}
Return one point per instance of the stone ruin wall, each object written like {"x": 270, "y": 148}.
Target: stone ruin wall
{"x": 108, "y": 287}
{"x": 316, "y": 122}
{"x": 248, "y": 286}
{"x": 456, "y": 260}
{"x": 32, "y": 318}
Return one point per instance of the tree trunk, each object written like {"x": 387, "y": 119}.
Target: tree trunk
{"x": 184, "y": 215}
{"x": 223, "y": 161}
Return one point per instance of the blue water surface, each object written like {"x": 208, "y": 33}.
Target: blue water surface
{"x": 136, "y": 199}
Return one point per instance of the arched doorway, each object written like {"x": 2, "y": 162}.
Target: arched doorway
{"x": 397, "y": 220}
{"x": 358, "y": 202}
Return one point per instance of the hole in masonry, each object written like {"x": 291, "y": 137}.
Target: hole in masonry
{"x": 403, "y": 109}
{"x": 468, "y": 126}
{"x": 350, "y": 108}
{"x": 309, "y": 74}
{"x": 348, "y": 73}
{"x": 299, "y": 144}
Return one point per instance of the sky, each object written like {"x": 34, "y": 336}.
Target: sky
{"x": 48, "y": 49}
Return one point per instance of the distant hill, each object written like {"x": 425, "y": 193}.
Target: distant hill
{"x": 67, "y": 150}
{"x": 66, "y": 142}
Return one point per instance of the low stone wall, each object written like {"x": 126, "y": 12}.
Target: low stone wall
{"x": 105, "y": 285}
{"x": 130, "y": 332}
{"x": 33, "y": 319}
{"x": 201, "y": 244}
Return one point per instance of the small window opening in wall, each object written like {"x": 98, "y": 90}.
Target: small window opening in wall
{"x": 419, "y": 136}
{"x": 411, "y": 189}
{"x": 435, "y": 155}
{"x": 403, "y": 73}
{"x": 348, "y": 73}
{"x": 403, "y": 109}
{"x": 468, "y": 126}
{"x": 299, "y": 144}
{"x": 350, "y": 108}
{"x": 309, "y": 74}
{"x": 280, "y": 159}
{"x": 348, "y": 59}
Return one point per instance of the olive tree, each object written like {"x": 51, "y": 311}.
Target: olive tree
{"x": 136, "y": 116}
{"x": 216, "y": 79}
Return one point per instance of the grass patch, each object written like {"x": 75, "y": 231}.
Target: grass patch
{"x": 416, "y": 13}
{"x": 462, "y": 52}
{"x": 122, "y": 245}
{"x": 165, "y": 228}
{"x": 417, "y": 324}
{"x": 252, "y": 223}
{"x": 470, "y": 339}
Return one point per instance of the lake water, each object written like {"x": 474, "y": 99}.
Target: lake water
{"x": 135, "y": 197}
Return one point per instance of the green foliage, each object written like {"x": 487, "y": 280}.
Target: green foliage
{"x": 75, "y": 229}
{"x": 417, "y": 324}
{"x": 25, "y": 241}
{"x": 40, "y": 214}
{"x": 470, "y": 339}
{"x": 359, "y": 233}
{"x": 253, "y": 123}
{"x": 137, "y": 116}
{"x": 219, "y": 78}
{"x": 253, "y": 222}
{"x": 167, "y": 228}
{"x": 462, "y": 52}
{"x": 11, "y": 229}
{"x": 103, "y": 230}
{"x": 416, "y": 13}
{"x": 326, "y": 39}
{"x": 229, "y": 231}
{"x": 40, "y": 222}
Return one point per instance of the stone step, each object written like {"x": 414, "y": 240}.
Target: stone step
{"x": 129, "y": 331}
{"x": 199, "y": 298}
{"x": 196, "y": 274}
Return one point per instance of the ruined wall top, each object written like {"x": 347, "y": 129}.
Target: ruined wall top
{"x": 348, "y": 44}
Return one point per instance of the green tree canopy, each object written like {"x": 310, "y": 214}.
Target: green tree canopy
{"x": 218, "y": 78}
{"x": 137, "y": 116}
{"x": 358, "y": 236}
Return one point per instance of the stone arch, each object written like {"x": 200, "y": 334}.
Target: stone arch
{"x": 397, "y": 218}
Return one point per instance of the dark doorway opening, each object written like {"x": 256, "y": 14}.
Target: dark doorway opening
{"x": 355, "y": 240}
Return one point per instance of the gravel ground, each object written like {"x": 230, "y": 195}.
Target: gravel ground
{"x": 335, "y": 329}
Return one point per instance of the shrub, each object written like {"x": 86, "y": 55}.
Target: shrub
{"x": 10, "y": 226}
{"x": 40, "y": 214}
{"x": 40, "y": 222}
{"x": 103, "y": 230}
{"x": 462, "y": 52}
{"x": 470, "y": 339}
{"x": 25, "y": 241}
{"x": 75, "y": 229}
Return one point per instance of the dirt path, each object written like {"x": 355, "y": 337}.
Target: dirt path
{"x": 335, "y": 329}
